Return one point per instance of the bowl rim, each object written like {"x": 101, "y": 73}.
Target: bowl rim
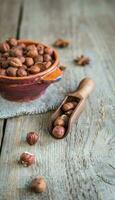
{"x": 40, "y": 74}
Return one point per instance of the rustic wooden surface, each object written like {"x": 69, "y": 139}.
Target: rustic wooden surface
{"x": 82, "y": 166}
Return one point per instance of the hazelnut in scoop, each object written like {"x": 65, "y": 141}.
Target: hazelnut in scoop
{"x": 69, "y": 112}
{"x": 61, "y": 120}
{"x": 58, "y": 131}
{"x": 38, "y": 184}
{"x": 69, "y": 106}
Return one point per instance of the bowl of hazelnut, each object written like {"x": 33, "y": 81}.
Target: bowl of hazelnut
{"x": 27, "y": 68}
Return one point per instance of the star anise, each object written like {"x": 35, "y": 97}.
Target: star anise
{"x": 61, "y": 43}
{"x": 82, "y": 60}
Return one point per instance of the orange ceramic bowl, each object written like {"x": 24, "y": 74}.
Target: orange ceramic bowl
{"x": 30, "y": 87}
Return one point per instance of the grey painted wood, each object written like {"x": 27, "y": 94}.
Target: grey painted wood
{"x": 1, "y": 131}
{"x": 82, "y": 166}
{"x": 9, "y": 17}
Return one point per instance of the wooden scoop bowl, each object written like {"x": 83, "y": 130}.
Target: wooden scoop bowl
{"x": 86, "y": 86}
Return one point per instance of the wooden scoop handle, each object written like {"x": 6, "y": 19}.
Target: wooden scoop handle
{"x": 86, "y": 86}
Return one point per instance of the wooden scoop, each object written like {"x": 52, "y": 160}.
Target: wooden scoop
{"x": 86, "y": 86}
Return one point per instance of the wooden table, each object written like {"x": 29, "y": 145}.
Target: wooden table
{"x": 82, "y": 166}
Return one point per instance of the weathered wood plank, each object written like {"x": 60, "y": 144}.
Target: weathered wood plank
{"x": 1, "y": 130}
{"x": 9, "y": 15}
{"x": 82, "y": 165}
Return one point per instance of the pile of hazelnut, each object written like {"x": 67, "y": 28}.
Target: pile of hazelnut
{"x": 19, "y": 59}
{"x": 61, "y": 122}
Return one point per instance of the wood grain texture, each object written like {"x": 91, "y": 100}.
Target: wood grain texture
{"x": 9, "y": 21}
{"x": 82, "y": 166}
{"x": 1, "y": 131}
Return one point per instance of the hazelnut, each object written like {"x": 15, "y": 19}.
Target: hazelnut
{"x": 34, "y": 69}
{"x": 32, "y": 138}
{"x": 29, "y": 61}
{"x": 58, "y": 131}
{"x": 68, "y": 106}
{"x": 15, "y": 52}
{"x": 27, "y": 159}
{"x": 4, "y": 47}
{"x": 4, "y": 64}
{"x": 38, "y": 59}
{"x": 5, "y": 55}
{"x": 2, "y": 72}
{"x": 68, "y": 113}
{"x": 21, "y": 46}
{"x": 65, "y": 118}
{"x": 38, "y": 184}
{"x": 32, "y": 59}
{"x": 15, "y": 62}
{"x": 75, "y": 103}
{"x": 59, "y": 122}
{"x": 48, "y": 50}
{"x": 46, "y": 57}
{"x": 41, "y": 52}
{"x": 21, "y": 72}
{"x": 47, "y": 64}
{"x": 11, "y": 71}
{"x": 30, "y": 47}
{"x": 32, "y": 53}
{"x": 40, "y": 47}
{"x": 12, "y": 42}
{"x": 22, "y": 58}
{"x": 24, "y": 66}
